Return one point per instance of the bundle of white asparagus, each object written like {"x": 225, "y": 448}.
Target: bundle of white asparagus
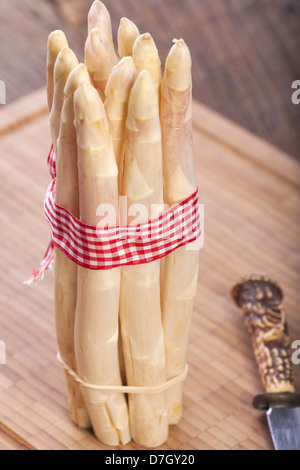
{"x": 120, "y": 129}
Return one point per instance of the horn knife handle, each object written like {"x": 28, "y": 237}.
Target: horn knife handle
{"x": 261, "y": 301}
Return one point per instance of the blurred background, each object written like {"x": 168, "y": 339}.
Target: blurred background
{"x": 245, "y": 52}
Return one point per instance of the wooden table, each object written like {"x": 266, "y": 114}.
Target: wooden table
{"x": 252, "y": 224}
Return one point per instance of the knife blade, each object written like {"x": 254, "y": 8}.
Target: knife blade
{"x": 283, "y": 416}
{"x": 261, "y": 301}
{"x": 283, "y": 427}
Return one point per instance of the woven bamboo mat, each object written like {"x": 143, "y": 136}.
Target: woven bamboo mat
{"x": 245, "y": 52}
{"x": 252, "y": 224}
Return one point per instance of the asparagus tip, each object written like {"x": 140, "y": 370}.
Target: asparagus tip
{"x": 57, "y": 33}
{"x": 65, "y": 62}
{"x": 97, "y": 5}
{"x": 87, "y": 103}
{"x": 122, "y": 74}
{"x": 56, "y": 40}
{"x": 97, "y": 12}
{"x": 95, "y": 42}
{"x": 78, "y": 74}
{"x": 178, "y": 42}
{"x": 145, "y": 50}
{"x": 143, "y": 98}
{"x": 146, "y": 37}
{"x": 124, "y": 62}
{"x": 179, "y": 57}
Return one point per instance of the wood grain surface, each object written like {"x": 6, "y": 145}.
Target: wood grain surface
{"x": 252, "y": 224}
{"x": 9, "y": 442}
{"x": 245, "y": 52}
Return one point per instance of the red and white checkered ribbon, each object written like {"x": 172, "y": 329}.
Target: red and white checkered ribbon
{"x": 110, "y": 247}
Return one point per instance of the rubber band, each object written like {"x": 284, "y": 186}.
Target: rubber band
{"x": 126, "y": 388}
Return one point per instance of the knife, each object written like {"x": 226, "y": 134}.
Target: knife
{"x": 265, "y": 318}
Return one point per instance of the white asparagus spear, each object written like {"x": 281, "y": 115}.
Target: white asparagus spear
{"x": 140, "y": 311}
{"x": 145, "y": 57}
{"x": 99, "y": 60}
{"x": 96, "y": 318}
{"x": 66, "y": 61}
{"x": 181, "y": 266}
{"x": 65, "y": 270}
{"x": 99, "y": 17}
{"x": 127, "y": 34}
{"x": 117, "y": 93}
{"x": 56, "y": 41}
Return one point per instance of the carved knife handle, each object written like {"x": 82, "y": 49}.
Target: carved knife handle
{"x": 261, "y": 301}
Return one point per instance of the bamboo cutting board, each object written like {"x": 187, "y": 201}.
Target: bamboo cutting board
{"x": 252, "y": 224}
